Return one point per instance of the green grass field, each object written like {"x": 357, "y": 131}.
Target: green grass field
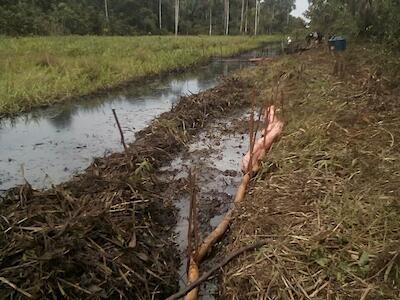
{"x": 39, "y": 71}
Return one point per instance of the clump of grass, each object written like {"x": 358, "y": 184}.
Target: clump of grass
{"x": 329, "y": 208}
{"x": 42, "y": 70}
{"x": 47, "y": 60}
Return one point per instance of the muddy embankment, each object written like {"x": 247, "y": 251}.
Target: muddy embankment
{"x": 108, "y": 233}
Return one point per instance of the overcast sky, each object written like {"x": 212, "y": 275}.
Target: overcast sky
{"x": 301, "y": 7}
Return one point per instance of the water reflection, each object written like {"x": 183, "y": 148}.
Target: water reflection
{"x": 55, "y": 142}
{"x": 63, "y": 119}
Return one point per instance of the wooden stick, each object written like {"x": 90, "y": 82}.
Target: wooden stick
{"x": 196, "y": 257}
{"x": 219, "y": 231}
{"x": 193, "y": 230}
{"x": 195, "y": 223}
{"x": 190, "y": 228}
{"x": 253, "y": 130}
{"x": 214, "y": 236}
{"x": 241, "y": 191}
{"x": 260, "y": 113}
{"x": 193, "y": 238}
{"x": 12, "y": 285}
{"x": 120, "y": 130}
{"x": 205, "y": 276}
{"x": 251, "y": 133}
{"x": 266, "y": 122}
{"x": 193, "y": 276}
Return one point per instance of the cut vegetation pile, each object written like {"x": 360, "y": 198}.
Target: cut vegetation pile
{"x": 106, "y": 233}
{"x": 327, "y": 201}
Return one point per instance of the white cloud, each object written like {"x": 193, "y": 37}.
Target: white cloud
{"x": 301, "y": 7}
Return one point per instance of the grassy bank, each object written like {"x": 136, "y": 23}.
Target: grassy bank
{"x": 42, "y": 70}
{"x": 327, "y": 199}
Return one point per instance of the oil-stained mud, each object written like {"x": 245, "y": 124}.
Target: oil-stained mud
{"x": 214, "y": 155}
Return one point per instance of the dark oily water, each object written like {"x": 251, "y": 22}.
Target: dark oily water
{"x": 52, "y": 144}
{"x": 214, "y": 155}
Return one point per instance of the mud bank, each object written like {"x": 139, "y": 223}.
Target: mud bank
{"x": 107, "y": 233}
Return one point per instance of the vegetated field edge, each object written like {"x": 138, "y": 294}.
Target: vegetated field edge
{"x": 326, "y": 200}
{"x": 39, "y": 71}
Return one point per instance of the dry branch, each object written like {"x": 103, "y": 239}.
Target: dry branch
{"x": 206, "y": 275}
{"x": 273, "y": 127}
{"x": 251, "y": 160}
{"x": 120, "y": 130}
{"x": 219, "y": 231}
{"x": 193, "y": 276}
{"x": 192, "y": 268}
{"x": 12, "y": 285}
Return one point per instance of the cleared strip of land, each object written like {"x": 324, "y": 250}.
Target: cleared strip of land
{"x": 43, "y": 70}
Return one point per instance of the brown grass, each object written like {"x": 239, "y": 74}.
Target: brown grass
{"x": 327, "y": 200}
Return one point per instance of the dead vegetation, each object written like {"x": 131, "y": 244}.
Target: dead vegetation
{"x": 106, "y": 233}
{"x": 326, "y": 201}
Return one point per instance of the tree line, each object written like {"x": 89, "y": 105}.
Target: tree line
{"x": 129, "y": 17}
{"x": 373, "y": 19}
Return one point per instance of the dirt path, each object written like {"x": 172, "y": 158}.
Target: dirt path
{"x": 327, "y": 200}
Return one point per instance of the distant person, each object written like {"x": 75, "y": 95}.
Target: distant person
{"x": 315, "y": 37}
{"x": 319, "y": 37}
{"x": 330, "y": 46}
{"x": 309, "y": 38}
